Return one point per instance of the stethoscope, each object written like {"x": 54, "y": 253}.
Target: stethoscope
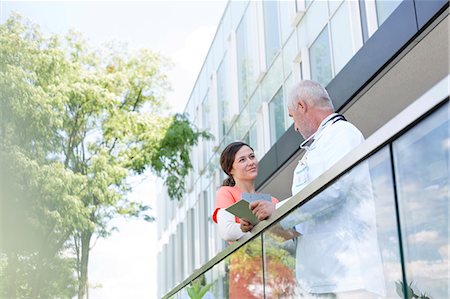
{"x": 330, "y": 121}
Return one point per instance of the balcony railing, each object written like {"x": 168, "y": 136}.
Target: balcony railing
{"x": 375, "y": 225}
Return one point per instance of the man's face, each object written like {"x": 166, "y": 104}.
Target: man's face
{"x": 300, "y": 115}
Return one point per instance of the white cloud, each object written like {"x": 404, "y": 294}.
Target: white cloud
{"x": 424, "y": 237}
{"x": 444, "y": 251}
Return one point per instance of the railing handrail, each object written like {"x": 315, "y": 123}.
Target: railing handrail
{"x": 410, "y": 116}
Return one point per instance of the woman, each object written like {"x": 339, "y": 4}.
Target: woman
{"x": 239, "y": 162}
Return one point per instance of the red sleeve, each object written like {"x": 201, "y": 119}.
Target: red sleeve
{"x": 225, "y": 197}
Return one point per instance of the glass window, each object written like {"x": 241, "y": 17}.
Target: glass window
{"x": 320, "y": 61}
{"x": 247, "y": 55}
{"x": 206, "y": 120}
{"x": 191, "y": 237}
{"x": 333, "y": 5}
{"x": 315, "y": 19}
{"x": 386, "y": 220}
{"x": 289, "y": 52}
{"x": 277, "y": 116}
{"x": 341, "y": 29}
{"x": 287, "y": 12}
{"x": 421, "y": 160}
{"x": 385, "y": 8}
{"x": 273, "y": 79}
{"x": 271, "y": 30}
{"x": 223, "y": 96}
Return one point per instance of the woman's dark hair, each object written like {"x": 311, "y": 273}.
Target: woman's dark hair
{"x": 227, "y": 160}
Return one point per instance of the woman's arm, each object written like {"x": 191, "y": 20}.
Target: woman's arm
{"x": 229, "y": 230}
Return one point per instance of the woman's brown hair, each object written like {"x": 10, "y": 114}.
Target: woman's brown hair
{"x": 227, "y": 159}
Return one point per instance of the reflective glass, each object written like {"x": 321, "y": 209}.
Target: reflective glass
{"x": 247, "y": 54}
{"x": 315, "y": 19}
{"x": 223, "y": 95}
{"x": 335, "y": 245}
{"x": 276, "y": 114}
{"x": 273, "y": 80}
{"x": 289, "y": 52}
{"x": 320, "y": 60}
{"x": 237, "y": 276}
{"x": 333, "y": 5}
{"x": 421, "y": 159}
{"x": 341, "y": 34}
{"x": 287, "y": 11}
{"x": 385, "y": 8}
{"x": 387, "y": 228}
{"x": 271, "y": 30}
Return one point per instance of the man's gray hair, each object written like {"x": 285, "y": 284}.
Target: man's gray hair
{"x": 311, "y": 92}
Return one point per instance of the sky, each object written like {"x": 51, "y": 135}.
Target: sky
{"x": 124, "y": 265}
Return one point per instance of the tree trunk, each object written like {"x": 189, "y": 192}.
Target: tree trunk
{"x": 83, "y": 282}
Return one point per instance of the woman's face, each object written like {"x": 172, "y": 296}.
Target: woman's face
{"x": 245, "y": 165}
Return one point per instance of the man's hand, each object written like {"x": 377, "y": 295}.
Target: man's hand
{"x": 262, "y": 208}
{"x": 246, "y": 226}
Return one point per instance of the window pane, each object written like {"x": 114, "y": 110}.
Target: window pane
{"x": 385, "y": 8}
{"x": 247, "y": 55}
{"x": 319, "y": 55}
{"x": 276, "y": 114}
{"x": 421, "y": 159}
{"x": 271, "y": 30}
{"x": 341, "y": 34}
{"x": 223, "y": 96}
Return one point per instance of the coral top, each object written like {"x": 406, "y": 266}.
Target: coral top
{"x": 226, "y": 196}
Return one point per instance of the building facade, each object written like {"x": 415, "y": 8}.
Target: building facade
{"x": 375, "y": 58}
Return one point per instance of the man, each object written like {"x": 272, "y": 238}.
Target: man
{"x": 337, "y": 229}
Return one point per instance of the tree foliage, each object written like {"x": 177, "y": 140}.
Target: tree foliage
{"x": 75, "y": 123}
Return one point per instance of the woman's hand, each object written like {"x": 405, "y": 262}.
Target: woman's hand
{"x": 262, "y": 208}
{"x": 246, "y": 226}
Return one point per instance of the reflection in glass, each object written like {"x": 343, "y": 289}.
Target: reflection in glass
{"x": 319, "y": 55}
{"x": 276, "y": 115}
{"x": 271, "y": 30}
{"x": 337, "y": 250}
{"x": 239, "y": 275}
{"x": 341, "y": 30}
{"x": 388, "y": 239}
{"x": 421, "y": 159}
{"x": 247, "y": 55}
{"x": 246, "y": 271}
{"x": 385, "y": 8}
{"x": 223, "y": 95}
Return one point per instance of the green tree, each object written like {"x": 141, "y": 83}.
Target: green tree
{"x": 75, "y": 123}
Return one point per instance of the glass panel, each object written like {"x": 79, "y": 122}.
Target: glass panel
{"x": 333, "y": 5}
{"x": 421, "y": 159}
{"x": 237, "y": 276}
{"x": 273, "y": 80}
{"x": 223, "y": 96}
{"x": 330, "y": 247}
{"x": 276, "y": 114}
{"x": 247, "y": 55}
{"x": 289, "y": 52}
{"x": 385, "y": 8}
{"x": 386, "y": 220}
{"x": 315, "y": 19}
{"x": 271, "y": 30}
{"x": 287, "y": 11}
{"x": 341, "y": 34}
{"x": 319, "y": 55}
